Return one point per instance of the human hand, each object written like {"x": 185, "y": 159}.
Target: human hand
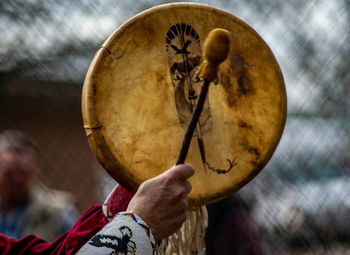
{"x": 162, "y": 201}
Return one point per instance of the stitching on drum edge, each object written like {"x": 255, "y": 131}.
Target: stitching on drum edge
{"x": 109, "y": 52}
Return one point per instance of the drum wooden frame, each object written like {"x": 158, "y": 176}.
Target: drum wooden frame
{"x": 134, "y": 118}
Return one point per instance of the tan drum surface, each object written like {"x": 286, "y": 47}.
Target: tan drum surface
{"x": 135, "y": 100}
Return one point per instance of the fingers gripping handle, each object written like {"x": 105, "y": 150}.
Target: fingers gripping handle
{"x": 216, "y": 48}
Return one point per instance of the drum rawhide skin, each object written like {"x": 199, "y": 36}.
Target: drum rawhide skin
{"x": 143, "y": 84}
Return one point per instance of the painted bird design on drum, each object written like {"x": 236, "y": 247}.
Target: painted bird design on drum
{"x": 183, "y": 50}
{"x": 184, "y": 57}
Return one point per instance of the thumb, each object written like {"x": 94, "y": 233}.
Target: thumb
{"x": 183, "y": 171}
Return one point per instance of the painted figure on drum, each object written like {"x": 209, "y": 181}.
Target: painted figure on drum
{"x": 185, "y": 56}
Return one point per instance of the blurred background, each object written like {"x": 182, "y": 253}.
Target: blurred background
{"x": 300, "y": 202}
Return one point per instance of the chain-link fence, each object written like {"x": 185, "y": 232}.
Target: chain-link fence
{"x": 299, "y": 203}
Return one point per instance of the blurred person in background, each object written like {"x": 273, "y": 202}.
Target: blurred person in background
{"x": 232, "y": 230}
{"x": 26, "y": 205}
{"x": 126, "y": 223}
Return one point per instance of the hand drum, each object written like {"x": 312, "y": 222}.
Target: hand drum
{"x": 142, "y": 87}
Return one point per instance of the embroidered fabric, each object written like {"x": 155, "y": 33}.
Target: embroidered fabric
{"x": 127, "y": 233}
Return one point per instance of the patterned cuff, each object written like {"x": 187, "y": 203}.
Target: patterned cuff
{"x": 127, "y": 233}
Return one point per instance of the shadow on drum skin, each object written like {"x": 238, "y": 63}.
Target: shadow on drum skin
{"x": 235, "y": 80}
{"x": 239, "y": 68}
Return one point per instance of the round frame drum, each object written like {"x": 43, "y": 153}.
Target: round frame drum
{"x": 142, "y": 86}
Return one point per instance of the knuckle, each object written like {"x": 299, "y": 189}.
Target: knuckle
{"x": 183, "y": 204}
{"x": 163, "y": 193}
{"x": 167, "y": 180}
{"x": 186, "y": 202}
{"x": 180, "y": 192}
{"x": 143, "y": 186}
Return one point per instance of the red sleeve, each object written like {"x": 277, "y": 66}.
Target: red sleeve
{"x": 84, "y": 229}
